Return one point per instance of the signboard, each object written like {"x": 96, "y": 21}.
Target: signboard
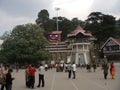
{"x": 54, "y": 38}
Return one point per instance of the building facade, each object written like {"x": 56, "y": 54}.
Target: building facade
{"x": 111, "y": 49}
{"x": 75, "y": 49}
{"x": 79, "y": 41}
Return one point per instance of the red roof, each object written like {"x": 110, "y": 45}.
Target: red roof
{"x": 79, "y": 29}
{"x": 117, "y": 40}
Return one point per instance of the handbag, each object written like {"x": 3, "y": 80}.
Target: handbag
{"x": 2, "y": 81}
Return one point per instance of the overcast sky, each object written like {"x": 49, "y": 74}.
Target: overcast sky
{"x": 17, "y": 12}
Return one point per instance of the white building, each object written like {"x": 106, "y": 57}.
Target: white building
{"x": 79, "y": 41}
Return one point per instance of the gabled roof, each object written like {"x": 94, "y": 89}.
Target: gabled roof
{"x": 117, "y": 41}
{"x": 78, "y": 30}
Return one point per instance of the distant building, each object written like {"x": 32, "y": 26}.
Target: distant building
{"x": 111, "y": 49}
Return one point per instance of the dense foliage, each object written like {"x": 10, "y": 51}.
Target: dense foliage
{"x": 102, "y": 26}
{"x": 25, "y": 43}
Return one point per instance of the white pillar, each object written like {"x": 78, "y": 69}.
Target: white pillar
{"x": 76, "y": 59}
{"x": 83, "y": 48}
{"x": 85, "y": 57}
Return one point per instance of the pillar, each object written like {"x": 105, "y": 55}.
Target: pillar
{"x": 76, "y": 57}
{"x": 85, "y": 57}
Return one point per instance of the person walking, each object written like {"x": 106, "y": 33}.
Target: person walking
{"x": 32, "y": 71}
{"x": 88, "y": 67}
{"x": 41, "y": 76}
{"x": 27, "y": 76}
{"x": 69, "y": 68}
{"x": 74, "y": 70}
{"x": 9, "y": 80}
{"x": 94, "y": 67}
{"x": 4, "y": 72}
{"x": 105, "y": 69}
{"x": 112, "y": 70}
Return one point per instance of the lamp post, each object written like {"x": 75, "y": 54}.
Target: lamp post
{"x": 57, "y": 9}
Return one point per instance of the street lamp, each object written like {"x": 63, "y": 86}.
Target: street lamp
{"x": 57, "y": 9}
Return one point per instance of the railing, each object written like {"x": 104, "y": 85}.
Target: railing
{"x": 79, "y": 40}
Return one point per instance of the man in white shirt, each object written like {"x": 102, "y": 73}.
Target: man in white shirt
{"x": 41, "y": 76}
{"x": 74, "y": 70}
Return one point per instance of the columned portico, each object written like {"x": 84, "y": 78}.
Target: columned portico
{"x": 76, "y": 49}
{"x": 80, "y": 43}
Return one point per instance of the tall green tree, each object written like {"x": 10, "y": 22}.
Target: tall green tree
{"x": 76, "y": 22}
{"x": 26, "y": 43}
{"x": 43, "y": 17}
{"x": 118, "y": 28}
{"x": 45, "y": 22}
{"x": 101, "y": 25}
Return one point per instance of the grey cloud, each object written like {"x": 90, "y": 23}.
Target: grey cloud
{"x": 117, "y": 7}
{"x": 20, "y": 7}
{"x": 106, "y": 7}
{"x": 17, "y": 10}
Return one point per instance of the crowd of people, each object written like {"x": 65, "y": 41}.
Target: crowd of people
{"x": 70, "y": 68}
{"x": 67, "y": 67}
{"x": 6, "y": 77}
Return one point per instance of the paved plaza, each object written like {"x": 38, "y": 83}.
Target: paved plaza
{"x": 59, "y": 80}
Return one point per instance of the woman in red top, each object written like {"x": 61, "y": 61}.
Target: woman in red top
{"x": 112, "y": 70}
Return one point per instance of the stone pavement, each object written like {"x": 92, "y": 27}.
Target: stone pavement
{"x": 59, "y": 81}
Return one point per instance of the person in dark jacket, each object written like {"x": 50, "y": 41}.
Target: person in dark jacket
{"x": 69, "y": 67}
{"x": 94, "y": 67}
{"x": 105, "y": 69}
{"x": 9, "y": 79}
